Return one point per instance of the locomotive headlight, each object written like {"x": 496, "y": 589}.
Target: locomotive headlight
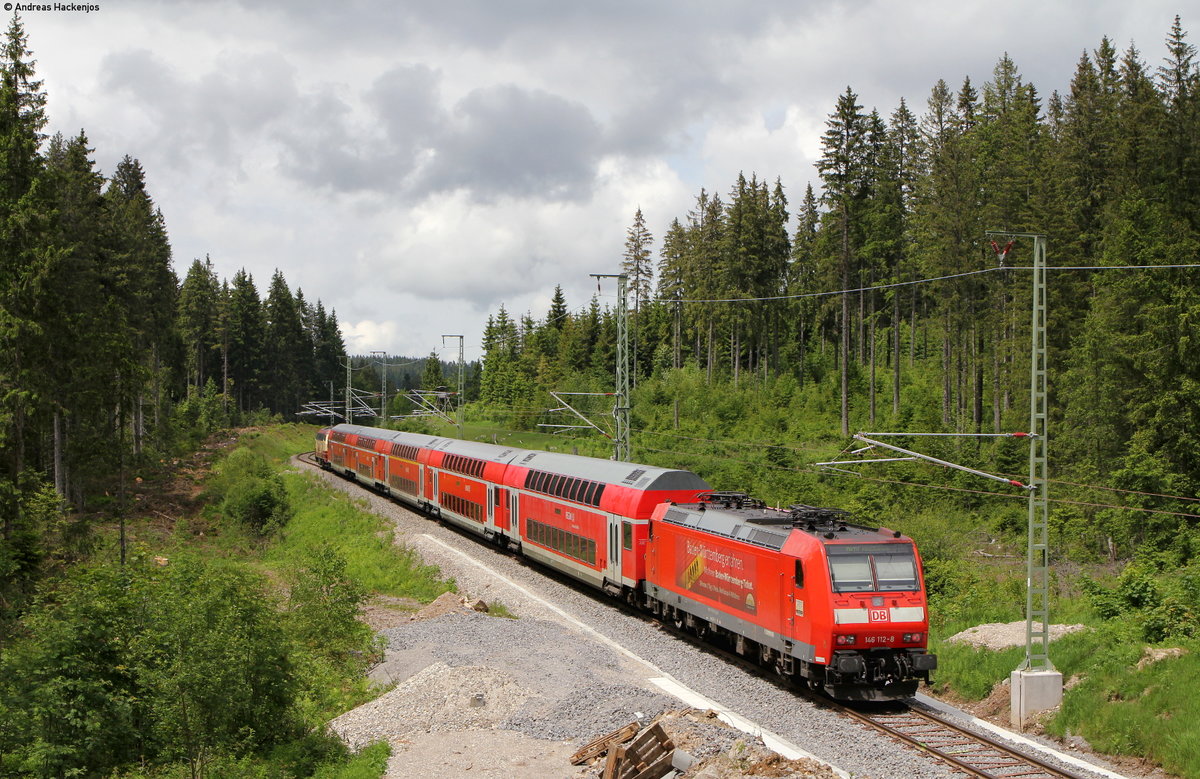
{"x": 845, "y": 640}
{"x": 913, "y": 638}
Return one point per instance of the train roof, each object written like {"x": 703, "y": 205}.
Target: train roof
{"x": 632, "y": 475}
{"x": 728, "y": 523}
{"x": 742, "y": 518}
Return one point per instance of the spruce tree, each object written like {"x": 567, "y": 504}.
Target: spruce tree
{"x": 844, "y": 173}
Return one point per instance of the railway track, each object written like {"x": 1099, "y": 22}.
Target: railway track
{"x": 964, "y": 750}
{"x": 970, "y": 752}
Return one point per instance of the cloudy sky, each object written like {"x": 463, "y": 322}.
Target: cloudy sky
{"x": 415, "y": 164}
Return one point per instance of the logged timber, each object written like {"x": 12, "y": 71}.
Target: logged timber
{"x": 601, "y": 745}
{"x": 648, "y": 756}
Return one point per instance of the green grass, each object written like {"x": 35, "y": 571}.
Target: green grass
{"x": 324, "y": 517}
{"x": 277, "y": 443}
{"x": 1121, "y": 709}
{"x": 970, "y": 672}
{"x": 1118, "y": 708}
{"x": 370, "y": 763}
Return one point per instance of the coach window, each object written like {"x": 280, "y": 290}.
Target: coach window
{"x": 799, "y": 573}
{"x": 626, "y": 535}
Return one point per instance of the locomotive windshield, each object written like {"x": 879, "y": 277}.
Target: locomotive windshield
{"x": 872, "y": 567}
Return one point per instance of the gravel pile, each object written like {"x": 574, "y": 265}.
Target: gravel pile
{"x": 1005, "y": 635}
{"x": 579, "y": 688}
{"x": 438, "y": 698}
{"x": 568, "y": 689}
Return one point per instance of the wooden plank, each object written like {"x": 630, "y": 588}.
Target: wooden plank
{"x": 659, "y": 768}
{"x": 600, "y": 745}
{"x": 613, "y": 764}
{"x": 648, "y": 756}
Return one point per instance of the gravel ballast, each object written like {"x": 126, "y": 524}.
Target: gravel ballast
{"x": 566, "y": 685}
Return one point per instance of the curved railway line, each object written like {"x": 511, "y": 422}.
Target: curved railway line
{"x": 909, "y": 722}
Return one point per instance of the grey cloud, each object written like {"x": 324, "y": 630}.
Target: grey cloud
{"x": 510, "y": 141}
{"x": 497, "y": 142}
{"x": 407, "y": 103}
{"x": 204, "y": 119}
{"x": 328, "y": 147}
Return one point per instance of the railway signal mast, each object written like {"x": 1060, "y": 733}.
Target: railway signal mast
{"x": 382, "y": 386}
{"x": 1035, "y": 685}
{"x": 458, "y": 413}
{"x": 621, "y": 448}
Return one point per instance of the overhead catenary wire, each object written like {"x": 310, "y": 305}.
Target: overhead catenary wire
{"x": 942, "y": 487}
{"x": 876, "y": 287}
{"x": 912, "y": 282}
{"x": 761, "y": 445}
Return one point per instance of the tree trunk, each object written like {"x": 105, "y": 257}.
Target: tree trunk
{"x": 735, "y": 361}
{"x": 947, "y": 376}
{"x": 711, "y": 350}
{"x": 976, "y": 359}
{"x": 896, "y": 353}
{"x": 60, "y": 475}
{"x": 996, "y": 391}
{"x": 845, "y": 366}
{"x": 871, "y": 333}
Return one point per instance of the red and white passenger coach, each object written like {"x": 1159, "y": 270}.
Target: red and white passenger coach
{"x": 837, "y": 604}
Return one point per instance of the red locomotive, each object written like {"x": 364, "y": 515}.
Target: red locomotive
{"x": 839, "y": 605}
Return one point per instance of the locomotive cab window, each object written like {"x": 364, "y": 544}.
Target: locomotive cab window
{"x": 851, "y": 573}
{"x": 896, "y": 571}
{"x": 872, "y": 568}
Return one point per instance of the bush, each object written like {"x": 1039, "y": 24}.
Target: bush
{"x": 260, "y": 504}
{"x": 250, "y": 492}
{"x": 120, "y": 665}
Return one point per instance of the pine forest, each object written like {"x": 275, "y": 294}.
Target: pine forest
{"x": 176, "y": 603}
{"x": 108, "y": 361}
{"x": 881, "y": 301}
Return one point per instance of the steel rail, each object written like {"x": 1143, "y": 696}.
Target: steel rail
{"x": 956, "y": 745}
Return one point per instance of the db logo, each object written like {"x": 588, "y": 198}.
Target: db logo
{"x": 878, "y": 615}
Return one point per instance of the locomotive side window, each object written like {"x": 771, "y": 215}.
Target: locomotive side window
{"x": 799, "y": 574}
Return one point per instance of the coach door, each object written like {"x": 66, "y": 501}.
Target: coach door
{"x": 613, "y": 572}
{"x": 499, "y": 503}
